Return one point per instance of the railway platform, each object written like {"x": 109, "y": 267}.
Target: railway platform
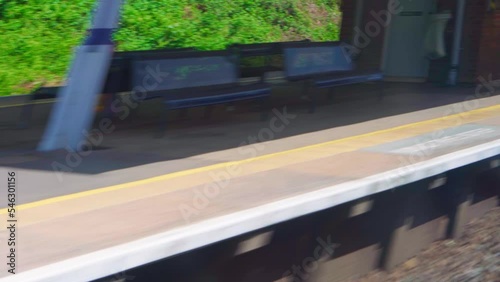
{"x": 134, "y": 200}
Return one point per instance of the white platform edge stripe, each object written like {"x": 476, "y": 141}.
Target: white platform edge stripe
{"x": 122, "y": 257}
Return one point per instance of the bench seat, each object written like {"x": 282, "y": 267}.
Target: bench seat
{"x": 348, "y": 79}
{"x": 205, "y": 97}
{"x": 195, "y": 79}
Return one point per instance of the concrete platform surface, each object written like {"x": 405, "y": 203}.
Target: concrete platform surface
{"x": 130, "y": 153}
{"x": 103, "y": 224}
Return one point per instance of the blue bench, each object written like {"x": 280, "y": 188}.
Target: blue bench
{"x": 195, "y": 79}
{"x": 324, "y": 65}
{"x": 117, "y": 81}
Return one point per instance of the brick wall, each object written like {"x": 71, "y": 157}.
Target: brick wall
{"x": 472, "y": 36}
{"x": 480, "y": 52}
{"x": 489, "y": 46}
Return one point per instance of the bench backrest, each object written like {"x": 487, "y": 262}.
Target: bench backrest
{"x": 170, "y": 71}
{"x": 303, "y": 60}
{"x": 119, "y": 76}
{"x": 120, "y": 70}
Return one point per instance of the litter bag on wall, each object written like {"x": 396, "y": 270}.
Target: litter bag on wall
{"x": 434, "y": 39}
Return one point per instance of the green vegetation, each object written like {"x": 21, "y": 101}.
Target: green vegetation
{"x": 37, "y": 36}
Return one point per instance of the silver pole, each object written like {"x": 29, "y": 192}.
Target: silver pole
{"x": 455, "y": 56}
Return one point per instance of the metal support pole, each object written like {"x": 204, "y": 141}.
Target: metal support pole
{"x": 457, "y": 46}
{"x": 73, "y": 113}
{"x": 358, "y": 17}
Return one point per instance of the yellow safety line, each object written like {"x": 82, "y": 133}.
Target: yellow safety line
{"x": 221, "y": 165}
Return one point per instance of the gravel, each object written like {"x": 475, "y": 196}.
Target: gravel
{"x": 475, "y": 257}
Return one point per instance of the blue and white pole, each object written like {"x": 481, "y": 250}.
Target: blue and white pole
{"x": 73, "y": 113}
{"x": 457, "y": 43}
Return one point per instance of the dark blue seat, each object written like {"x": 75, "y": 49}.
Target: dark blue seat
{"x": 324, "y": 65}
{"x": 194, "y": 79}
{"x": 206, "y": 97}
{"x": 117, "y": 80}
{"x": 347, "y": 79}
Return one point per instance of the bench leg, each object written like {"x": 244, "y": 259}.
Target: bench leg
{"x": 305, "y": 88}
{"x": 163, "y": 123}
{"x": 183, "y": 114}
{"x": 230, "y": 107}
{"x": 264, "y": 107}
{"x": 208, "y": 112}
{"x": 330, "y": 94}
{"x": 312, "y": 98}
{"x": 133, "y": 111}
{"x": 381, "y": 90}
{"x": 108, "y": 101}
{"x": 26, "y": 114}
{"x": 312, "y": 108}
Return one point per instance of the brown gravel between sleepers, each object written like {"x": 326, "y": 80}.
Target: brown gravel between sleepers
{"x": 475, "y": 257}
